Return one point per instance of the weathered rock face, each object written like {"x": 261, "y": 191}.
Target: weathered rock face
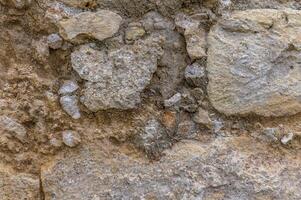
{"x": 222, "y": 169}
{"x": 99, "y": 25}
{"x": 12, "y": 127}
{"x": 109, "y": 99}
{"x": 116, "y": 79}
{"x": 15, "y": 185}
{"x": 195, "y": 34}
{"x": 254, "y": 63}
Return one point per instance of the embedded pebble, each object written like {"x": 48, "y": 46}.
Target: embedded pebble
{"x": 287, "y": 138}
{"x": 54, "y": 41}
{"x": 55, "y": 142}
{"x": 68, "y": 87}
{"x": 195, "y": 75}
{"x": 202, "y": 117}
{"x": 134, "y": 33}
{"x": 13, "y": 127}
{"x": 71, "y": 138}
{"x": 271, "y": 134}
{"x": 70, "y": 106}
{"x": 175, "y": 99}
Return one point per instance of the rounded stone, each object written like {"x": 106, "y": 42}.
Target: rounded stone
{"x": 71, "y": 138}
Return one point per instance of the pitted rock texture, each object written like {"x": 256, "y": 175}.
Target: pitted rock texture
{"x": 12, "y": 127}
{"x": 80, "y": 3}
{"x": 225, "y": 168}
{"x": 254, "y": 63}
{"x": 14, "y": 185}
{"x": 115, "y": 79}
{"x": 150, "y": 99}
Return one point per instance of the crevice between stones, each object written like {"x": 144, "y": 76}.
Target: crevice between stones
{"x": 42, "y": 194}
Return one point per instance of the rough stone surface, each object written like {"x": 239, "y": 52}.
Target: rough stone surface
{"x": 202, "y": 117}
{"x": 186, "y": 129}
{"x": 14, "y": 185}
{"x": 134, "y": 32}
{"x": 228, "y": 168}
{"x": 68, "y": 87}
{"x": 153, "y": 139}
{"x": 116, "y": 79}
{"x": 196, "y": 43}
{"x": 175, "y": 99}
{"x": 71, "y": 138}
{"x": 254, "y": 63}
{"x": 12, "y": 127}
{"x": 70, "y": 106}
{"x": 195, "y": 75}
{"x": 109, "y": 99}
{"x": 91, "y": 64}
{"x": 54, "y": 41}
{"x": 195, "y": 35}
{"x": 99, "y": 25}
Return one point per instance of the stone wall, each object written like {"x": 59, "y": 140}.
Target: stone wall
{"x": 150, "y": 99}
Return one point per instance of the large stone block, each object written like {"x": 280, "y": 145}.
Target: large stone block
{"x": 254, "y": 63}
{"x": 226, "y": 168}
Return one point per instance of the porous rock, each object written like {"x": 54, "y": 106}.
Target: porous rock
{"x": 14, "y": 128}
{"x": 153, "y": 139}
{"x": 225, "y": 168}
{"x": 71, "y": 138}
{"x": 254, "y": 63}
{"x": 15, "y": 185}
{"x": 115, "y": 79}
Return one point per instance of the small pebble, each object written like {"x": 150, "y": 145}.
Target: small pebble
{"x": 195, "y": 75}
{"x": 71, "y": 138}
{"x": 287, "y": 138}
{"x": 54, "y": 41}
{"x": 55, "y": 142}
{"x": 68, "y": 87}
{"x": 70, "y": 106}
{"x": 175, "y": 99}
{"x": 202, "y": 117}
{"x": 271, "y": 134}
